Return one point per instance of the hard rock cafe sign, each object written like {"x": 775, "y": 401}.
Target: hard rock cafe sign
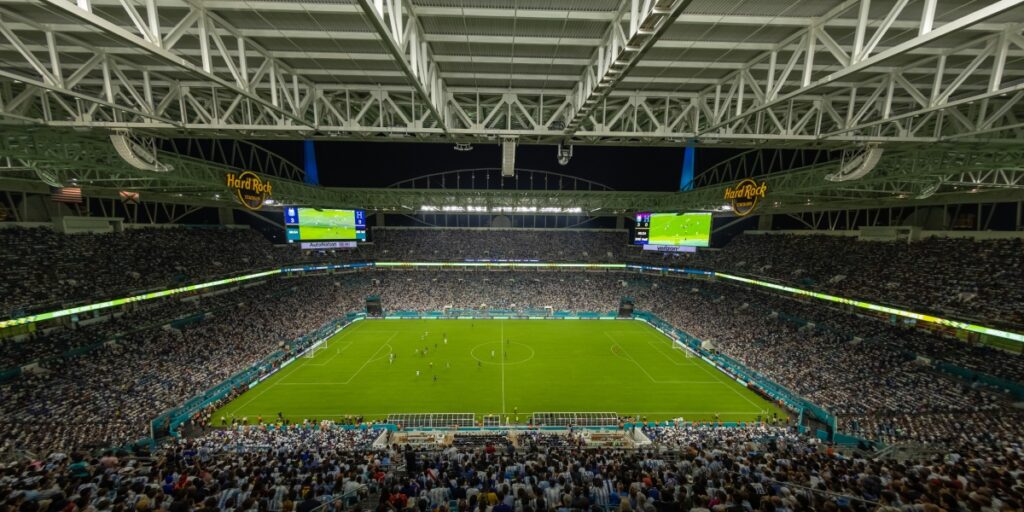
{"x": 745, "y": 196}
{"x": 251, "y": 191}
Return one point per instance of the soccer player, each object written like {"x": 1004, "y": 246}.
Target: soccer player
{"x": 435, "y": 378}
{"x": 431, "y": 365}
{"x": 492, "y": 354}
{"x": 479, "y": 364}
{"x": 417, "y": 373}
{"x": 447, "y": 365}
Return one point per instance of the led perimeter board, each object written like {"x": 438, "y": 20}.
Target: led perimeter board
{"x": 312, "y": 224}
{"x": 672, "y": 229}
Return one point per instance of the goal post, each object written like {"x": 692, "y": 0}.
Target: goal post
{"x": 687, "y": 353}
{"x": 310, "y": 353}
{"x": 315, "y": 349}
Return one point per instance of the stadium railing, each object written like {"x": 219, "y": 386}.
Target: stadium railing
{"x": 1016, "y": 389}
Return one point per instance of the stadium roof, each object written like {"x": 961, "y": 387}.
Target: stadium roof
{"x": 746, "y": 72}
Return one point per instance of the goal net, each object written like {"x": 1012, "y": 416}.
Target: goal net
{"x": 686, "y": 352}
{"x": 314, "y": 350}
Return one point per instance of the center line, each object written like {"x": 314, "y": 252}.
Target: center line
{"x": 501, "y": 347}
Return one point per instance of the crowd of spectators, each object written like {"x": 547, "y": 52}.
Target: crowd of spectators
{"x": 515, "y": 244}
{"x": 42, "y": 268}
{"x": 140, "y": 316}
{"x": 693, "y": 468}
{"x": 973, "y": 356}
{"x": 857, "y": 375}
{"x": 956, "y": 277}
{"x": 45, "y": 269}
{"x": 107, "y": 396}
{"x": 959, "y": 277}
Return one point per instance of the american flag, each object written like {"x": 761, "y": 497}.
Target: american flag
{"x": 66, "y": 194}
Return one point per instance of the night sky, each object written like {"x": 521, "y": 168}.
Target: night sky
{"x": 378, "y": 164}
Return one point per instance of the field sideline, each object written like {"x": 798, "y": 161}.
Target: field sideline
{"x": 498, "y": 367}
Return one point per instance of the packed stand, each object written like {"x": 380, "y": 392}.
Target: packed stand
{"x": 689, "y": 469}
{"x": 971, "y": 356}
{"x": 953, "y": 276}
{"x": 45, "y": 269}
{"x": 424, "y": 244}
{"x": 276, "y": 437}
{"x": 854, "y": 377}
{"x": 91, "y": 332}
{"x": 75, "y": 402}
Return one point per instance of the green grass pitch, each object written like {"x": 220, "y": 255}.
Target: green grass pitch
{"x": 621, "y": 366}
{"x": 688, "y": 229}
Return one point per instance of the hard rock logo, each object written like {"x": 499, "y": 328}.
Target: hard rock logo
{"x": 251, "y": 191}
{"x": 745, "y": 195}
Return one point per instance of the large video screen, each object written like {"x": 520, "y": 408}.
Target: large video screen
{"x": 673, "y": 229}
{"x": 312, "y": 224}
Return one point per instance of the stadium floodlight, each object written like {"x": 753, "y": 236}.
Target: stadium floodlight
{"x": 463, "y": 146}
{"x": 138, "y": 151}
{"x": 928, "y": 190}
{"x": 45, "y": 175}
{"x": 564, "y": 155}
{"x": 856, "y": 166}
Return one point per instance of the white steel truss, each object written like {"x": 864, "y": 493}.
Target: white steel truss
{"x": 402, "y": 33}
{"x": 623, "y": 46}
{"x": 653, "y": 72}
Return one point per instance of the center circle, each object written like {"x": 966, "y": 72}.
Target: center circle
{"x": 514, "y": 353}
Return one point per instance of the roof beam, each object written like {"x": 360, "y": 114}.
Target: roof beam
{"x": 154, "y": 45}
{"x": 620, "y": 52}
{"x": 575, "y": 14}
{"x": 488, "y": 59}
{"x": 402, "y": 35}
{"x": 860, "y": 59}
{"x": 477, "y": 39}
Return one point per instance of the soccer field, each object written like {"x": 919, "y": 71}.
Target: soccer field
{"x": 496, "y": 367}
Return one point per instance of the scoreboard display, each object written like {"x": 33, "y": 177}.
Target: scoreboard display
{"x": 672, "y": 229}
{"x": 316, "y": 225}
{"x": 642, "y": 230}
